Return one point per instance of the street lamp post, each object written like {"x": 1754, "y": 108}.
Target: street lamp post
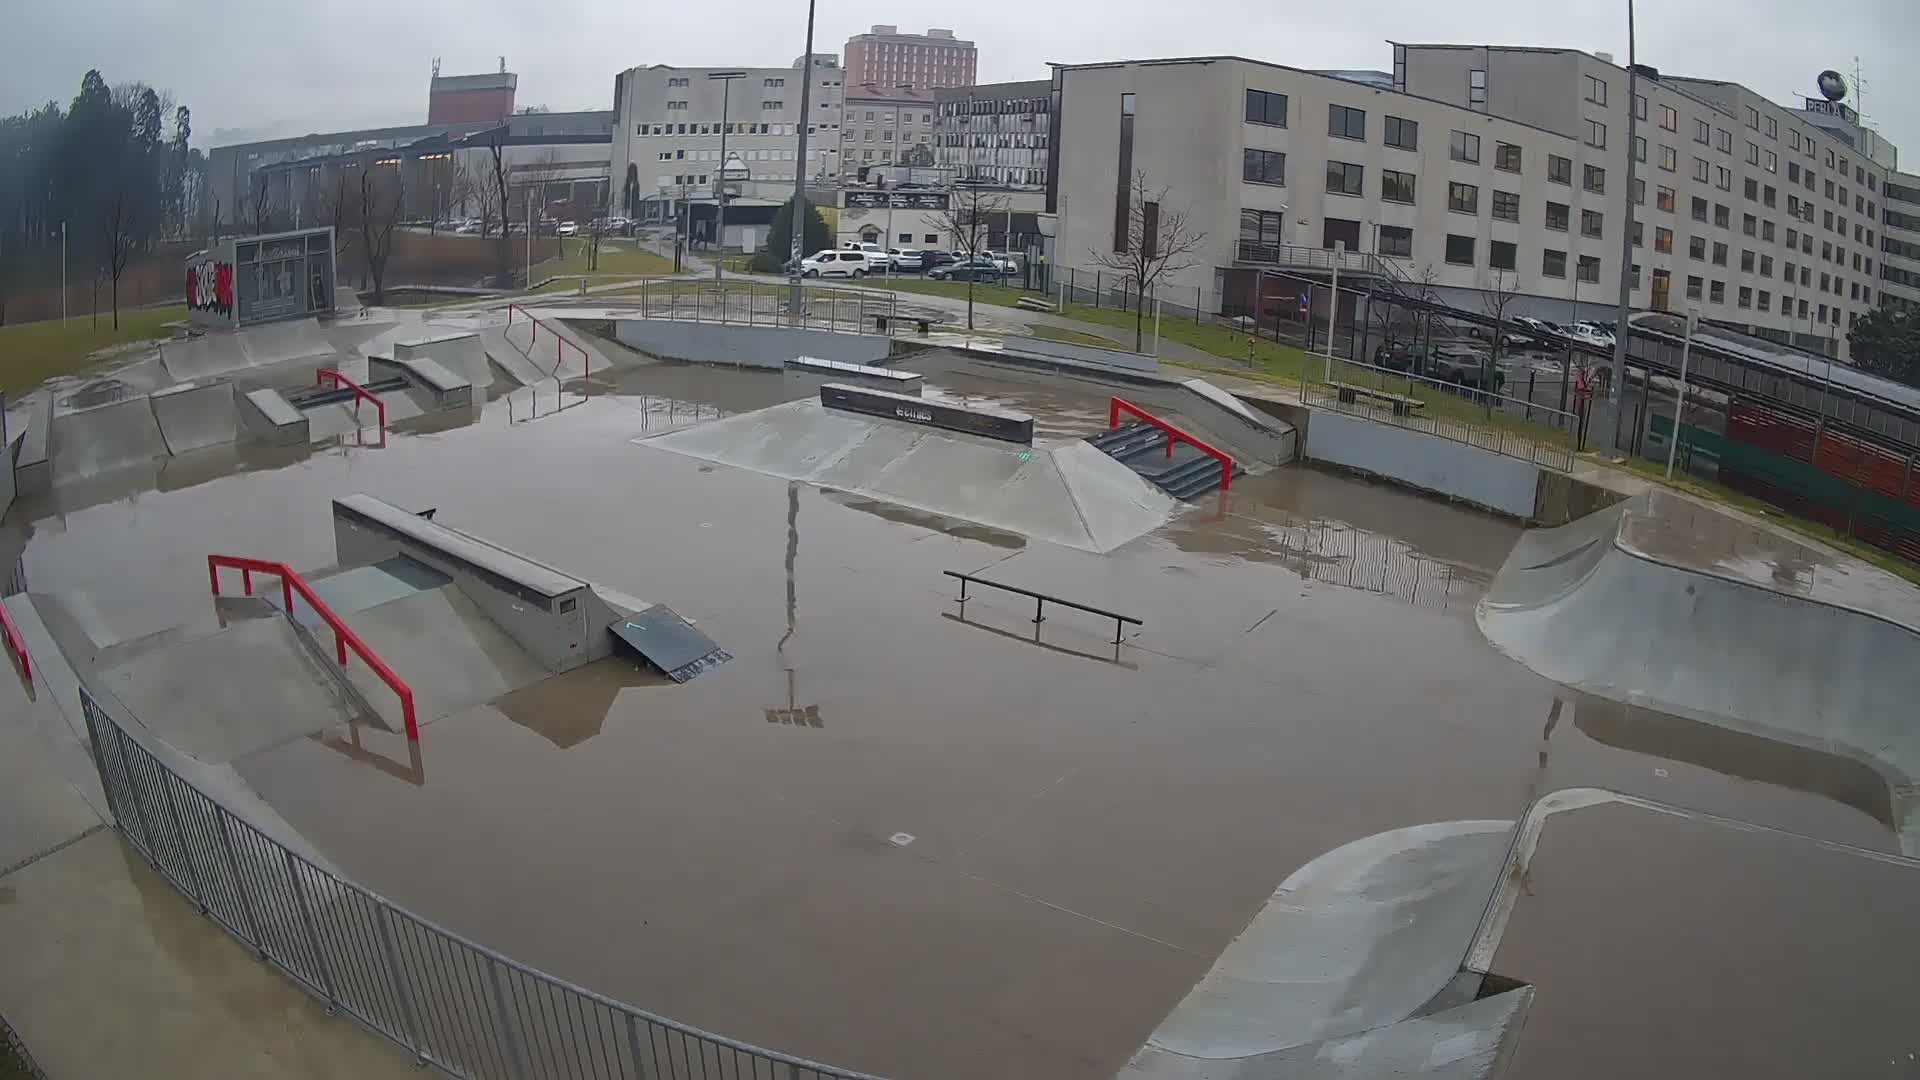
{"x": 725, "y": 79}
{"x": 1622, "y": 310}
{"x": 896, "y": 157}
{"x": 794, "y": 302}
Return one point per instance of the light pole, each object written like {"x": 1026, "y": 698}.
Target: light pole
{"x": 794, "y": 303}
{"x": 896, "y": 156}
{"x": 1618, "y": 372}
{"x": 63, "y": 271}
{"x": 725, "y": 79}
{"x": 1680, "y": 403}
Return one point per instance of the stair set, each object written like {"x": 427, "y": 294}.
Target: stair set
{"x": 1170, "y": 459}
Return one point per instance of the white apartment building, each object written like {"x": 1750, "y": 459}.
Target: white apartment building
{"x": 882, "y": 126}
{"x": 1275, "y": 163}
{"x": 1765, "y": 217}
{"x": 668, "y": 128}
{"x": 1900, "y": 240}
{"x": 999, "y": 133}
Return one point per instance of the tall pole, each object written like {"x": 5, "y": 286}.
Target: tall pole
{"x": 528, "y": 196}
{"x": 1333, "y": 310}
{"x": 63, "y": 271}
{"x": 794, "y": 302}
{"x": 1618, "y": 372}
{"x": 1680, "y": 404}
{"x": 725, "y": 78}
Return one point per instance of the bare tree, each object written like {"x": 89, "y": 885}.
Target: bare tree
{"x": 1160, "y": 239}
{"x": 333, "y": 204}
{"x": 1495, "y": 299}
{"x": 492, "y": 186}
{"x": 383, "y": 197}
{"x": 971, "y": 210}
{"x": 259, "y": 206}
{"x": 118, "y": 240}
{"x": 539, "y": 175}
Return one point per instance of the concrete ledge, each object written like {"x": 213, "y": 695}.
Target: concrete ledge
{"x": 268, "y": 417}
{"x": 1002, "y": 424}
{"x": 746, "y": 346}
{"x": 1086, "y": 354}
{"x": 880, "y": 378}
{"x": 449, "y": 391}
{"x": 1493, "y": 481}
{"x": 32, "y": 467}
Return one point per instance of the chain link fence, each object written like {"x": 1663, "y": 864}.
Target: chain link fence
{"x": 455, "y": 1004}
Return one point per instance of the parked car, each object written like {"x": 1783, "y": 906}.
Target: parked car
{"x": 911, "y": 259}
{"x": 469, "y": 227}
{"x": 567, "y": 228}
{"x": 1465, "y": 367}
{"x": 877, "y": 257}
{"x": 970, "y": 270}
{"x": 1400, "y": 356}
{"x": 930, "y": 259}
{"x": 1588, "y": 333}
{"x": 830, "y": 263}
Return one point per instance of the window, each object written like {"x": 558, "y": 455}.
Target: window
{"x": 1753, "y": 153}
{"x": 1346, "y": 123}
{"x": 1723, "y": 178}
{"x": 1722, "y": 216}
{"x": 1345, "y": 179}
{"x": 1750, "y": 225}
{"x": 1639, "y": 234}
{"x": 1396, "y": 240}
{"x": 1590, "y": 222}
{"x": 1747, "y": 261}
{"x": 1766, "y": 266}
{"x": 1596, "y": 90}
{"x": 1596, "y": 134}
{"x": 1766, "y": 300}
{"x": 1261, "y": 227}
{"x": 1773, "y": 162}
{"x": 1697, "y": 248}
{"x": 1702, "y": 131}
{"x": 1669, "y": 158}
{"x": 1670, "y": 120}
{"x": 1463, "y": 198}
{"x": 1639, "y": 190}
{"x": 1266, "y": 108}
{"x": 1793, "y": 172}
{"x": 1404, "y": 134}
{"x": 1786, "y": 273}
{"x": 1463, "y": 147}
{"x": 1769, "y": 196}
{"x": 1796, "y": 140}
{"x": 1506, "y": 157}
{"x": 1803, "y": 309}
{"x": 1663, "y": 199}
{"x": 1589, "y": 268}
{"x": 1717, "y": 292}
{"x": 1695, "y": 287}
{"x": 1639, "y": 149}
{"x": 1460, "y": 250}
{"x": 1663, "y": 241}
{"x": 1557, "y": 215}
{"x": 1773, "y": 128}
{"x": 1477, "y": 92}
{"x": 1502, "y": 255}
{"x": 1595, "y": 179}
{"x": 1640, "y": 106}
{"x": 1506, "y": 206}
{"x": 1396, "y": 186}
{"x": 1753, "y": 118}
{"x": 1723, "y": 140}
{"x": 1702, "y": 169}
{"x": 1559, "y": 169}
{"x": 1263, "y": 167}
{"x": 1553, "y": 263}
{"x": 1699, "y": 208}
{"x": 1634, "y": 273}
{"x": 1719, "y": 254}
{"x": 1829, "y": 189}
{"x": 1752, "y": 189}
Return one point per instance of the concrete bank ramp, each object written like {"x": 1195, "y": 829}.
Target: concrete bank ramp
{"x": 193, "y": 416}
{"x": 1608, "y": 604}
{"x": 1069, "y": 493}
{"x": 1359, "y": 939}
{"x": 448, "y": 651}
{"x": 223, "y": 352}
{"x": 87, "y": 442}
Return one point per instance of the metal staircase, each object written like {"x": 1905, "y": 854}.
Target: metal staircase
{"x": 1186, "y": 473}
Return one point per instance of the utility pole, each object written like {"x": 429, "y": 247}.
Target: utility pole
{"x": 1680, "y": 402}
{"x": 1622, "y": 311}
{"x": 795, "y": 304}
{"x": 63, "y": 271}
{"x": 725, "y": 79}
{"x": 897, "y": 157}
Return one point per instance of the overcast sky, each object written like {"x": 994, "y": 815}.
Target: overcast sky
{"x": 257, "y": 69}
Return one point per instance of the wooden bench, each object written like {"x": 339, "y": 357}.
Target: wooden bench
{"x": 1348, "y": 393}
{"x": 1033, "y": 303}
{"x": 925, "y": 325}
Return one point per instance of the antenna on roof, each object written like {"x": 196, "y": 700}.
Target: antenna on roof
{"x": 503, "y": 65}
{"x": 436, "y": 67}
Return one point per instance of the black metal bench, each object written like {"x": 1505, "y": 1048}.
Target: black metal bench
{"x": 1349, "y": 393}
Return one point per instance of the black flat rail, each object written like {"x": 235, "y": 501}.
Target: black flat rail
{"x": 1041, "y": 600}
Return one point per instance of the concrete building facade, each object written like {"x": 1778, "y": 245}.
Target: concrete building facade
{"x": 1900, "y": 240}
{"x": 464, "y": 99}
{"x": 1744, "y": 205}
{"x": 999, "y": 133}
{"x": 886, "y": 57}
{"x": 668, "y": 128}
{"x": 883, "y": 126}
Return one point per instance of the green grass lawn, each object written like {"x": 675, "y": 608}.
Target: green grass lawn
{"x": 618, "y": 259}
{"x": 1061, "y": 333}
{"x": 30, "y": 352}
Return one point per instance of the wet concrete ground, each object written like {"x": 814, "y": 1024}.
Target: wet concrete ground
{"x": 894, "y": 834}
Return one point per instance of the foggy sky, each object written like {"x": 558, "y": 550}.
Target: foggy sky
{"x": 252, "y": 70}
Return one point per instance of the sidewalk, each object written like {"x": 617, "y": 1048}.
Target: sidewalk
{"x": 106, "y": 971}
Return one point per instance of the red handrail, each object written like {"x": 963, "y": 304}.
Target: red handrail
{"x": 1116, "y": 406}
{"x": 586, "y": 362}
{"x": 321, "y": 377}
{"x": 16, "y": 644}
{"x": 343, "y": 637}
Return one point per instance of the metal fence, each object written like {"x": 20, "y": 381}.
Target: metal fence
{"x": 456, "y": 1005}
{"x": 1389, "y": 396}
{"x": 865, "y": 311}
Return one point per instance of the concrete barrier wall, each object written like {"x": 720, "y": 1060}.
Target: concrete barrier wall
{"x": 268, "y": 417}
{"x": 750, "y": 346}
{"x": 1086, "y": 354}
{"x": 1456, "y": 470}
{"x": 33, "y": 472}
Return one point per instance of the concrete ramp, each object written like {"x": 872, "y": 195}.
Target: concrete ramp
{"x": 1361, "y": 938}
{"x": 446, "y": 649}
{"x": 103, "y": 438}
{"x": 193, "y": 416}
{"x": 511, "y": 361}
{"x": 1065, "y": 494}
{"x": 221, "y": 697}
{"x": 1670, "y": 605}
{"x": 668, "y": 642}
{"x": 463, "y": 354}
{"x": 224, "y": 352}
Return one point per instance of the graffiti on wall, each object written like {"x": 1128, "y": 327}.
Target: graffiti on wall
{"x": 210, "y": 287}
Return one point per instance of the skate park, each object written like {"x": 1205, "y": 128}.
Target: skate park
{"x": 1300, "y": 772}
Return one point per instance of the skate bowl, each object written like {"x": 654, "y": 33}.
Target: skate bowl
{"x": 1662, "y": 603}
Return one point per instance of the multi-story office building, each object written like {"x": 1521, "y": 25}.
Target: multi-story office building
{"x": 886, "y": 57}
{"x": 1900, "y": 240}
{"x": 1764, "y": 217}
{"x": 999, "y": 133}
{"x": 883, "y": 126}
{"x": 668, "y": 128}
{"x": 463, "y": 99}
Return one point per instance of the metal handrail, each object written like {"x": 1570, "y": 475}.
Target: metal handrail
{"x": 453, "y": 1003}
{"x": 1484, "y": 436}
{"x": 15, "y": 643}
{"x": 343, "y": 636}
{"x": 1116, "y": 406}
{"x": 559, "y": 339}
{"x": 324, "y": 375}
{"x": 1040, "y": 600}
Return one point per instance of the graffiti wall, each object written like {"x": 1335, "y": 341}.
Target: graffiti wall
{"x": 210, "y": 288}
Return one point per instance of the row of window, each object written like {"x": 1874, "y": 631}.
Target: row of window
{"x": 716, "y": 129}
{"x": 1501, "y": 255}
{"x": 1345, "y": 178}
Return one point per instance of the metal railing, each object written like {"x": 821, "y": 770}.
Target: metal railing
{"x": 559, "y": 343}
{"x": 1351, "y": 387}
{"x": 1116, "y": 406}
{"x": 343, "y": 636}
{"x": 16, "y": 644}
{"x": 824, "y": 307}
{"x": 453, "y": 1003}
{"x": 1041, "y": 600}
{"x": 323, "y": 376}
